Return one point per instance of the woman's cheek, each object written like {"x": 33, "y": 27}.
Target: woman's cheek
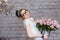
{"x": 26, "y": 15}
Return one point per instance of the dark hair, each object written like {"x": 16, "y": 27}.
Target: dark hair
{"x": 18, "y": 12}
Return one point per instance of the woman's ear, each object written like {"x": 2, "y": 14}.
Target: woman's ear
{"x": 22, "y": 18}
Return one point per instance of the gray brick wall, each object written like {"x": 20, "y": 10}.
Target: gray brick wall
{"x": 12, "y": 27}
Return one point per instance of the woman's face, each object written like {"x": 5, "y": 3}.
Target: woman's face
{"x": 25, "y": 14}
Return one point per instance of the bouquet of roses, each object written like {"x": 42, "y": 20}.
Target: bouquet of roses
{"x": 47, "y": 24}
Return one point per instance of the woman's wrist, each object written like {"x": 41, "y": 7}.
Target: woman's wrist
{"x": 42, "y": 36}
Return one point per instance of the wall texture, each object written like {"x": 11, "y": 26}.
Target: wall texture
{"x": 12, "y": 27}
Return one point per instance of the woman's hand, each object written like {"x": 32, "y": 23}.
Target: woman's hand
{"x": 45, "y": 36}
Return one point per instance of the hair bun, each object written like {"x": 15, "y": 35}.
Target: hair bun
{"x": 17, "y": 13}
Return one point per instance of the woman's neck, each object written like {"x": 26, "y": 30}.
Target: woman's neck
{"x": 26, "y": 18}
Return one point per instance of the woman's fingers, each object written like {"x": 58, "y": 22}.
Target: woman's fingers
{"x": 45, "y": 37}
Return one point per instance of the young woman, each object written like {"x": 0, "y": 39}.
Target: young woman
{"x": 29, "y": 24}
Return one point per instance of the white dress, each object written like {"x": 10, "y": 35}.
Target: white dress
{"x": 30, "y": 21}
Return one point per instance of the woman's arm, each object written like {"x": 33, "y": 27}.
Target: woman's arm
{"x": 30, "y": 34}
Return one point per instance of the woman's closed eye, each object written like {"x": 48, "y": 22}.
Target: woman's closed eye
{"x": 24, "y": 13}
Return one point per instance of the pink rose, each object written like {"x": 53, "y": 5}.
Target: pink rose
{"x": 40, "y": 21}
{"x": 52, "y": 26}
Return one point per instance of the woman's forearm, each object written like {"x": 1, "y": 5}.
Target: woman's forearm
{"x": 30, "y": 34}
{"x": 38, "y": 35}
